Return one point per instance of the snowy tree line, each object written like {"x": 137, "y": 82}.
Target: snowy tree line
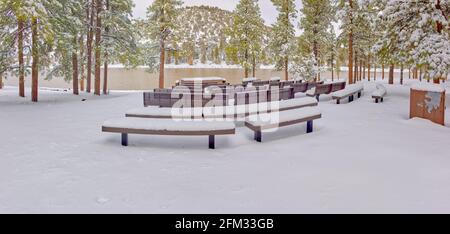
{"x": 65, "y": 38}
{"x": 77, "y": 39}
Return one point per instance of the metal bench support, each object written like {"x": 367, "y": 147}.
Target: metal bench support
{"x": 124, "y": 139}
{"x": 258, "y": 136}
{"x": 309, "y": 126}
{"x": 212, "y": 142}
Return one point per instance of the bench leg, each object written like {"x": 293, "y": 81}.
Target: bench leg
{"x": 309, "y": 126}
{"x": 382, "y": 100}
{"x": 350, "y": 98}
{"x": 124, "y": 139}
{"x": 317, "y": 97}
{"x": 359, "y": 95}
{"x": 376, "y": 100}
{"x": 338, "y": 101}
{"x": 212, "y": 142}
{"x": 258, "y": 136}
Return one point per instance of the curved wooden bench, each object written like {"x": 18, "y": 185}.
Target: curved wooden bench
{"x": 128, "y": 125}
{"x": 220, "y": 111}
{"x": 349, "y": 92}
{"x": 284, "y": 118}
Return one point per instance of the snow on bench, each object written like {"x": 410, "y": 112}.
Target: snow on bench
{"x": 129, "y": 125}
{"x": 220, "y": 111}
{"x": 349, "y": 92}
{"x": 200, "y": 79}
{"x": 246, "y": 110}
{"x": 249, "y": 79}
{"x": 266, "y": 121}
{"x": 379, "y": 93}
{"x": 166, "y": 113}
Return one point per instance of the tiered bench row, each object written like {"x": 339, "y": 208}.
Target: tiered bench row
{"x": 207, "y": 122}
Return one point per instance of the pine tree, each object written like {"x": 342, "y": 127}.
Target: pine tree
{"x": 161, "y": 23}
{"x": 246, "y": 34}
{"x": 316, "y": 23}
{"x": 119, "y": 36}
{"x": 283, "y": 34}
{"x": 417, "y": 32}
{"x": 67, "y": 23}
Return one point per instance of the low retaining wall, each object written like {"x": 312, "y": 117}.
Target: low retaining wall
{"x": 140, "y": 79}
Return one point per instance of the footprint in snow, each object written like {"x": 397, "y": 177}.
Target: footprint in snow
{"x": 102, "y": 200}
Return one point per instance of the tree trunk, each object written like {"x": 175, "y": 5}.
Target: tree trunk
{"x": 34, "y": 65}
{"x": 75, "y": 69}
{"x": 105, "y": 78}
{"x": 332, "y": 67}
{"x": 316, "y": 56}
{"x": 98, "y": 35}
{"x": 83, "y": 77}
{"x": 350, "y": 47}
{"x": 286, "y": 69}
{"x": 21, "y": 61}
{"x": 246, "y": 61}
{"x": 254, "y": 66}
{"x": 401, "y": 74}
{"x": 382, "y": 71}
{"x": 362, "y": 70}
{"x": 105, "y": 66}
{"x": 1, "y": 80}
{"x": 391, "y": 74}
{"x": 420, "y": 74}
{"x": 356, "y": 68}
{"x": 368, "y": 68}
{"x": 162, "y": 55}
{"x": 90, "y": 38}
{"x": 374, "y": 71}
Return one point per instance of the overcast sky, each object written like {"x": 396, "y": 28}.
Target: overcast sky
{"x": 269, "y": 13}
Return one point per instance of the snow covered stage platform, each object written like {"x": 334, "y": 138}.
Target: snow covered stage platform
{"x": 362, "y": 157}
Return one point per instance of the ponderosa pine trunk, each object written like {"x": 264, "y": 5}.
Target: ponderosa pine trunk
{"x": 401, "y": 74}
{"x": 162, "y": 55}
{"x": 254, "y": 66}
{"x": 75, "y": 69}
{"x": 90, "y": 11}
{"x": 20, "y": 29}
{"x": 105, "y": 66}
{"x": 391, "y": 74}
{"x": 245, "y": 67}
{"x": 374, "y": 71}
{"x": 286, "y": 69}
{"x": 356, "y": 68}
{"x": 98, "y": 35}
{"x": 332, "y": 67}
{"x": 350, "y": 46}
{"x": 368, "y": 68}
{"x": 35, "y": 55}
{"x": 362, "y": 70}
{"x": 83, "y": 77}
{"x": 439, "y": 28}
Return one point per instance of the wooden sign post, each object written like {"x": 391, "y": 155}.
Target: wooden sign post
{"x": 428, "y": 102}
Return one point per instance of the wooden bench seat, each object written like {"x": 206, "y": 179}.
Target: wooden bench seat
{"x": 129, "y": 125}
{"x": 259, "y": 123}
{"x": 166, "y": 113}
{"x": 325, "y": 89}
{"x": 379, "y": 93}
{"x": 349, "y": 92}
{"x": 220, "y": 111}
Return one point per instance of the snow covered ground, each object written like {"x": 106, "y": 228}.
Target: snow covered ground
{"x": 363, "y": 157}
